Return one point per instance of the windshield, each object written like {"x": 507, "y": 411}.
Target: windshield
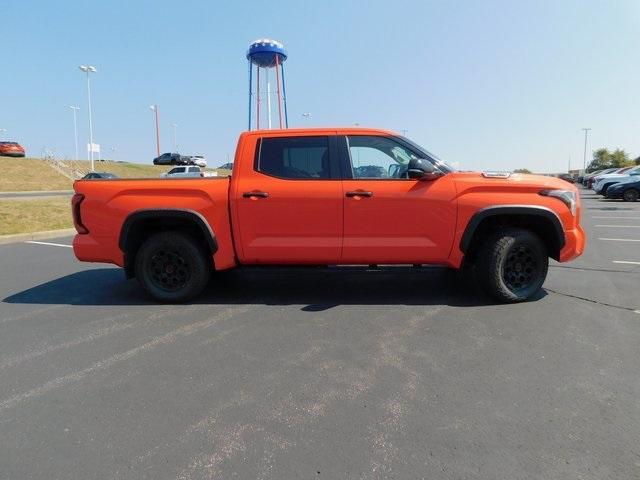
{"x": 441, "y": 164}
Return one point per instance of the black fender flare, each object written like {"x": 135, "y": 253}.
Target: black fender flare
{"x": 532, "y": 210}
{"x": 167, "y": 213}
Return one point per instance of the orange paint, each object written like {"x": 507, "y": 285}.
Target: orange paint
{"x": 312, "y": 221}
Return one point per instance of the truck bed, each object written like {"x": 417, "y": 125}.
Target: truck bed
{"x": 107, "y": 203}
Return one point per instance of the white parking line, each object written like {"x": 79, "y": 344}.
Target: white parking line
{"x": 626, "y": 262}
{"x": 621, "y": 239}
{"x": 619, "y": 226}
{"x": 51, "y": 244}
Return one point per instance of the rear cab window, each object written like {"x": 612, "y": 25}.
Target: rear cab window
{"x": 294, "y": 158}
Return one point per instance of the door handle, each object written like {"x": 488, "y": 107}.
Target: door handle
{"x": 359, "y": 193}
{"x": 257, "y": 194}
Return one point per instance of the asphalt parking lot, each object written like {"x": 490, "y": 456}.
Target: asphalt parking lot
{"x": 323, "y": 374}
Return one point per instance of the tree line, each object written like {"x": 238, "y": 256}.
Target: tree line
{"x": 603, "y": 158}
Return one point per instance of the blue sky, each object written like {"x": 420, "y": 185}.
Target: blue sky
{"x": 487, "y": 84}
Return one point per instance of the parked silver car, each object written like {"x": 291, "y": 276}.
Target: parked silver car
{"x": 186, "y": 171}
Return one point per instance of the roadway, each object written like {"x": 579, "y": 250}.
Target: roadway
{"x": 323, "y": 374}
{"x": 34, "y": 194}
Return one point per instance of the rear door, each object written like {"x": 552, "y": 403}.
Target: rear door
{"x": 389, "y": 218}
{"x": 287, "y": 200}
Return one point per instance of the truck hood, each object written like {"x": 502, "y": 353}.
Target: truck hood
{"x": 514, "y": 180}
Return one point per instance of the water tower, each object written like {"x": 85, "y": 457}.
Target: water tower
{"x": 267, "y": 54}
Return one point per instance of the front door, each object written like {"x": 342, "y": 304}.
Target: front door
{"x": 389, "y": 218}
{"x": 289, "y": 201}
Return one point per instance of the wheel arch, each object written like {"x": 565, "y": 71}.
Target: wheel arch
{"x": 141, "y": 224}
{"x": 541, "y": 220}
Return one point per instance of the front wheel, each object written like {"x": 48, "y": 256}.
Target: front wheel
{"x": 512, "y": 265}
{"x": 172, "y": 267}
{"x": 630, "y": 195}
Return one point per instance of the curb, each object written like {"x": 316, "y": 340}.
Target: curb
{"x": 23, "y": 237}
{"x": 37, "y": 192}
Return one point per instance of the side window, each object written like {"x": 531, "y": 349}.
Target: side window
{"x": 174, "y": 170}
{"x": 193, "y": 169}
{"x": 378, "y": 157}
{"x": 294, "y": 157}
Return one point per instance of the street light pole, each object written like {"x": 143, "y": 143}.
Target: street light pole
{"x": 88, "y": 69}
{"x": 75, "y": 127}
{"x": 155, "y": 110}
{"x": 175, "y": 137}
{"x": 584, "y": 157}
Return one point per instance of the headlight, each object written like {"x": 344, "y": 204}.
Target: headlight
{"x": 567, "y": 196}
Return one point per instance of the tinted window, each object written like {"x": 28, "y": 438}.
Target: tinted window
{"x": 378, "y": 157}
{"x": 194, "y": 169}
{"x": 295, "y": 157}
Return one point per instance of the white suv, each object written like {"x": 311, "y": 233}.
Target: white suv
{"x": 605, "y": 181}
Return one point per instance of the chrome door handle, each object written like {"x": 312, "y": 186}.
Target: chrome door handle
{"x": 359, "y": 193}
{"x": 257, "y": 194}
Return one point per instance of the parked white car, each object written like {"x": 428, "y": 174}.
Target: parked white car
{"x": 186, "y": 171}
{"x": 605, "y": 181}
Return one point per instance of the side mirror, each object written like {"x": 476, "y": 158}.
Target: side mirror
{"x": 421, "y": 169}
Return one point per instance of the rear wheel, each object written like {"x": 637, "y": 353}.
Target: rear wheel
{"x": 512, "y": 265}
{"x": 630, "y": 195}
{"x": 172, "y": 267}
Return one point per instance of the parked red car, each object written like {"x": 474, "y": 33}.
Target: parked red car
{"x": 11, "y": 149}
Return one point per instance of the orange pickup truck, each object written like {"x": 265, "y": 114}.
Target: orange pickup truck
{"x": 334, "y": 196}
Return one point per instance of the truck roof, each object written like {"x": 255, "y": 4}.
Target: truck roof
{"x": 327, "y": 130}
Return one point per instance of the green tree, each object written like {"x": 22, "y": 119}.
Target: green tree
{"x": 522, "y": 170}
{"x": 620, "y": 158}
{"x": 603, "y": 158}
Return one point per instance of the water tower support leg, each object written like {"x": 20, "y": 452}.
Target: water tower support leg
{"x": 284, "y": 100}
{"x": 268, "y": 99}
{"x": 250, "y": 72}
{"x": 278, "y": 93}
{"x": 258, "y": 93}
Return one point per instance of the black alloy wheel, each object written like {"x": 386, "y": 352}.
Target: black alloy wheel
{"x": 173, "y": 267}
{"x": 521, "y": 268}
{"x": 630, "y": 195}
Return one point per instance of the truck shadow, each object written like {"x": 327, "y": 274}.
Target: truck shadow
{"x": 313, "y": 289}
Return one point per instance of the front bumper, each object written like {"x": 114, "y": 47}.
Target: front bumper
{"x": 575, "y": 243}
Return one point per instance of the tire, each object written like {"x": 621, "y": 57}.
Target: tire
{"x": 630, "y": 195}
{"x": 512, "y": 265}
{"x": 172, "y": 267}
